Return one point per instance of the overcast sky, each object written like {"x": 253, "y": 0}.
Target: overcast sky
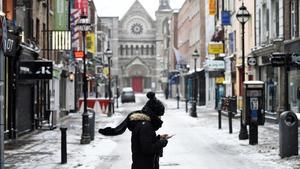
{"x": 120, "y": 7}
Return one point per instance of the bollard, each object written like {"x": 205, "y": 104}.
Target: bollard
{"x": 253, "y": 133}
{"x": 177, "y": 97}
{"x": 186, "y": 105}
{"x": 63, "y": 145}
{"x": 92, "y": 123}
{"x": 230, "y": 121}
{"x": 220, "y": 118}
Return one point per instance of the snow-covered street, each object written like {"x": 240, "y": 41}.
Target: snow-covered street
{"x": 197, "y": 144}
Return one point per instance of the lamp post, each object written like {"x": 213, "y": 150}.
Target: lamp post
{"x": 108, "y": 54}
{"x": 117, "y": 92}
{"x": 194, "y": 102}
{"x": 243, "y": 16}
{"x": 177, "y": 90}
{"x": 84, "y": 26}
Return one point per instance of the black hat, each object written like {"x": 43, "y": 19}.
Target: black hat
{"x": 153, "y": 105}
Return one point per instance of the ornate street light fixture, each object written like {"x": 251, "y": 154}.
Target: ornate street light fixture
{"x": 195, "y": 56}
{"x": 108, "y": 54}
{"x": 194, "y": 101}
{"x": 84, "y": 26}
{"x": 243, "y": 16}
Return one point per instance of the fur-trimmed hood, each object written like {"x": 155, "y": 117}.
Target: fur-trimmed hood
{"x": 138, "y": 116}
{"x": 130, "y": 122}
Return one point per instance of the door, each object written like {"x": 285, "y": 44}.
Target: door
{"x": 24, "y": 108}
{"x": 137, "y": 84}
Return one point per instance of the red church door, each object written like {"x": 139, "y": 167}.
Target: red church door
{"x": 137, "y": 84}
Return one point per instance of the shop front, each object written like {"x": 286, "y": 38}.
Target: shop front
{"x": 292, "y": 48}
{"x": 270, "y": 75}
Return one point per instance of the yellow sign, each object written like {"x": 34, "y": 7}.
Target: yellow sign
{"x": 105, "y": 71}
{"x": 90, "y": 43}
{"x": 220, "y": 80}
{"x": 212, "y": 7}
{"x": 215, "y": 48}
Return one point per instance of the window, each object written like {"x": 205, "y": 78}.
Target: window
{"x": 275, "y": 19}
{"x": 293, "y": 19}
{"x": 131, "y": 50}
{"x": 265, "y": 23}
{"x": 137, "y": 50}
{"x": 152, "y": 50}
{"x": 147, "y": 50}
{"x": 44, "y": 40}
{"x": 37, "y": 29}
{"x": 109, "y": 33}
{"x": 232, "y": 41}
{"x": 142, "y": 50}
{"x": 259, "y": 27}
{"x": 126, "y": 50}
{"x": 121, "y": 50}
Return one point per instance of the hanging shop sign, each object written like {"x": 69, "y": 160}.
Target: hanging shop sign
{"x": 215, "y": 48}
{"x": 212, "y": 7}
{"x": 35, "y": 70}
{"x": 90, "y": 43}
{"x": 78, "y": 54}
{"x": 279, "y": 59}
{"x": 11, "y": 45}
{"x": 61, "y": 15}
{"x": 252, "y": 61}
{"x": 61, "y": 40}
{"x": 215, "y": 64}
{"x": 220, "y": 80}
{"x": 226, "y": 18}
{"x": 296, "y": 58}
{"x": 82, "y": 5}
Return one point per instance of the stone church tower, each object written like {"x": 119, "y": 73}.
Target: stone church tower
{"x": 139, "y": 48}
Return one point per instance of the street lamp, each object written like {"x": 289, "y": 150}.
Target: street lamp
{"x": 108, "y": 54}
{"x": 194, "y": 102}
{"x": 84, "y": 26}
{"x": 243, "y": 16}
{"x": 177, "y": 89}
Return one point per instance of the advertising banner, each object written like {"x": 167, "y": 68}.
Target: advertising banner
{"x": 212, "y": 7}
{"x": 90, "y": 43}
{"x": 82, "y": 5}
{"x": 61, "y": 15}
{"x": 215, "y": 48}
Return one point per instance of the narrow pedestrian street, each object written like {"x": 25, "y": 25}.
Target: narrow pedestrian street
{"x": 197, "y": 144}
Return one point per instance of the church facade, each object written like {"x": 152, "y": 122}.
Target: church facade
{"x": 138, "y": 45}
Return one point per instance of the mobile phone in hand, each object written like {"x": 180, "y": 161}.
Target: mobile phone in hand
{"x": 170, "y": 136}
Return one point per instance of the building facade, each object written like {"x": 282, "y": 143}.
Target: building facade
{"x": 137, "y": 43}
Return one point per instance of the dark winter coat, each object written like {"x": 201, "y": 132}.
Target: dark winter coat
{"x": 146, "y": 146}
